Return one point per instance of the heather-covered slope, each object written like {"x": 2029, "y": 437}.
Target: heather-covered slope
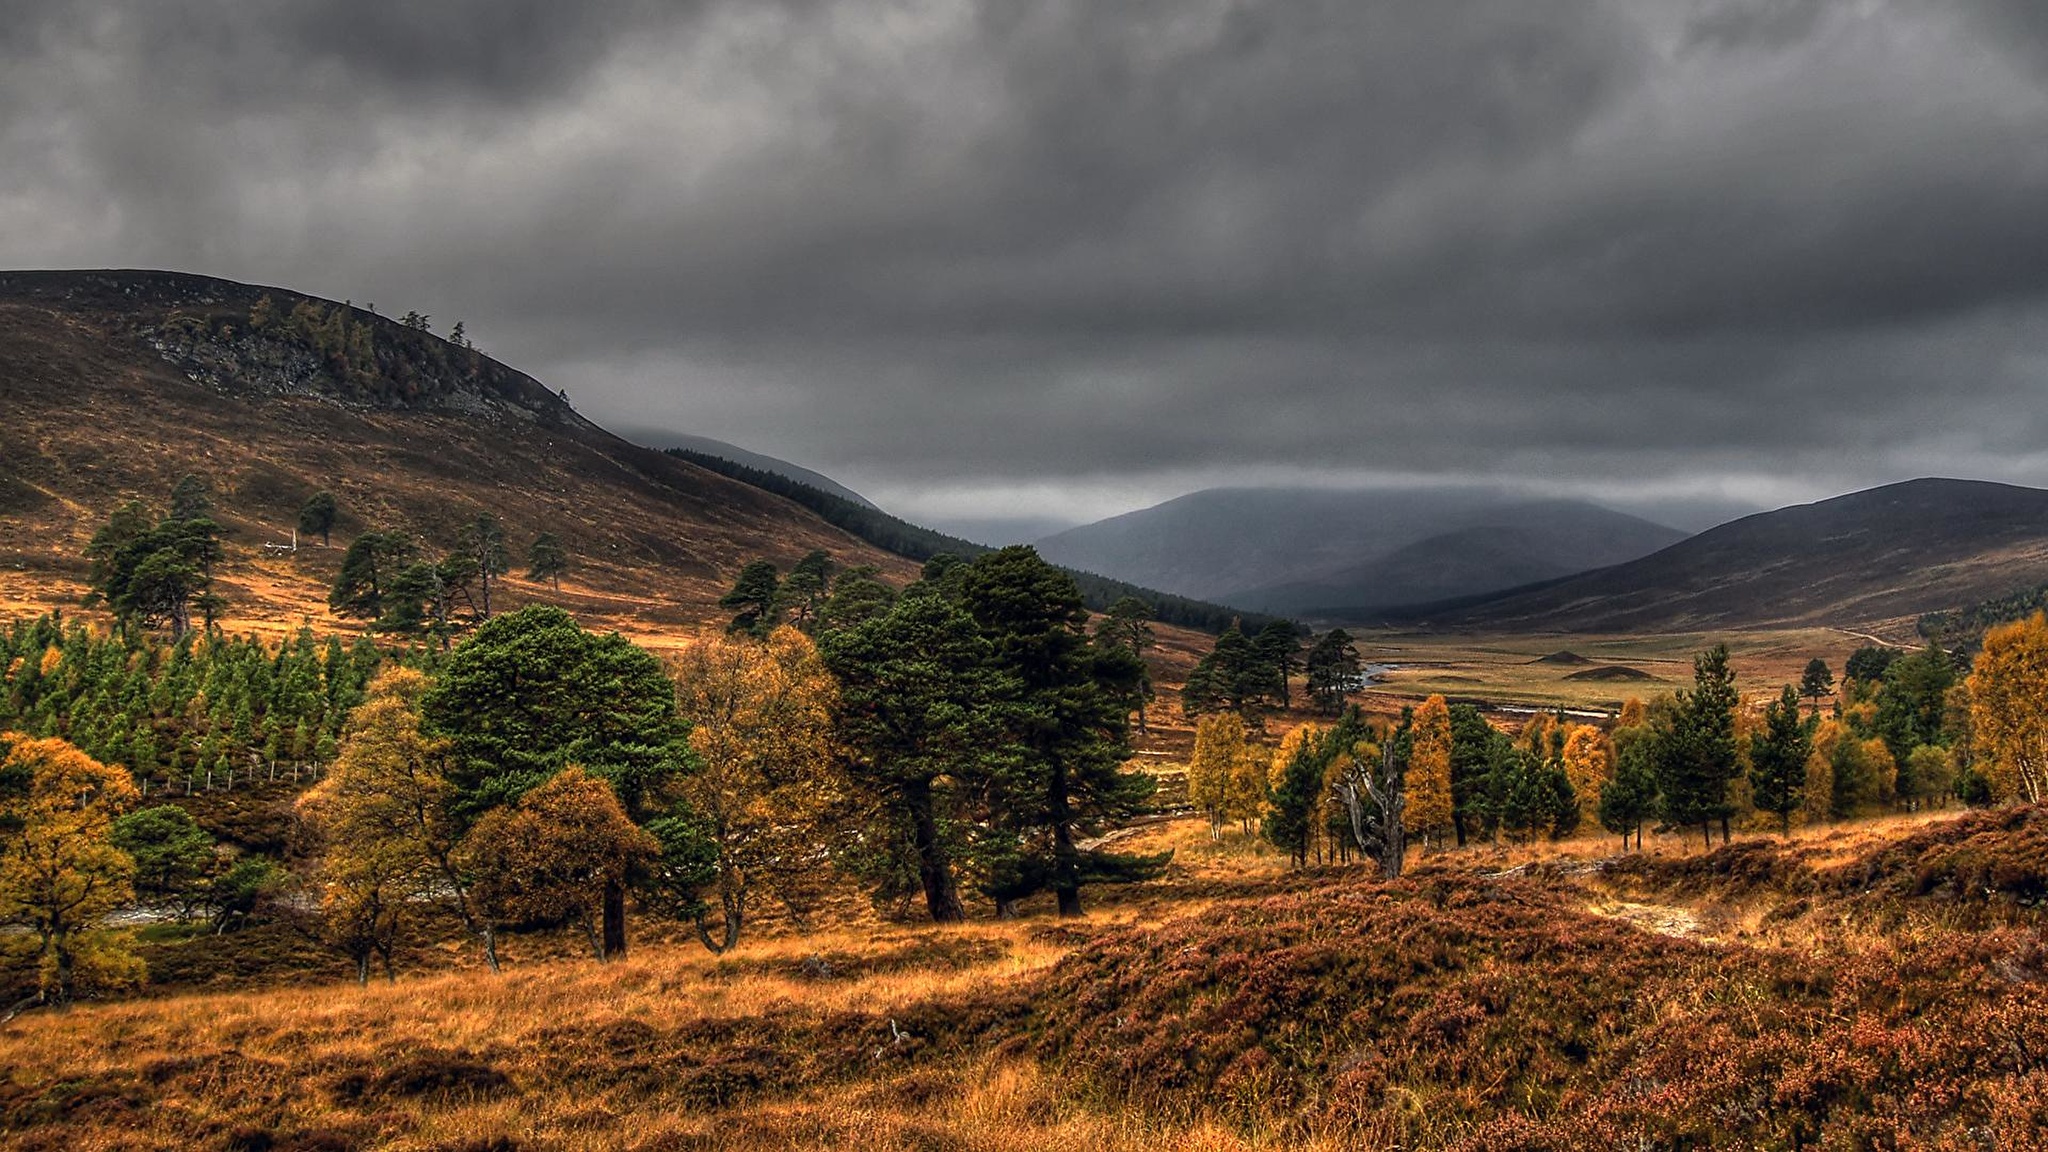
{"x": 1883, "y": 554}
{"x": 115, "y": 384}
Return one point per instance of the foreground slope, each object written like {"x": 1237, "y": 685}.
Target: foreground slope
{"x": 115, "y": 384}
{"x": 1853, "y": 561}
{"x": 1839, "y": 991}
{"x": 1291, "y": 549}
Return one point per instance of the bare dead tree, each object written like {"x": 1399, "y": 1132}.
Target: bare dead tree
{"x": 1376, "y": 796}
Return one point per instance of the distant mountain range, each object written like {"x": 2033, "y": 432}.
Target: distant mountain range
{"x": 1301, "y": 550}
{"x": 1859, "y": 560}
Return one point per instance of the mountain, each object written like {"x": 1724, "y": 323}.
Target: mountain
{"x": 115, "y": 384}
{"x": 1295, "y": 549}
{"x": 738, "y": 455}
{"x": 1858, "y": 560}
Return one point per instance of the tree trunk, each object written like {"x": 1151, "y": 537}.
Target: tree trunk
{"x": 934, "y": 871}
{"x": 613, "y": 946}
{"x": 490, "y": 940}
{"x": 363, "y": 969}
{"x": 1006, "y": 908}
{"x": 1724, "y": 830}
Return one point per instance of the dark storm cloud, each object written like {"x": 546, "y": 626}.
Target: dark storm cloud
{"x": 1076, "y": 253}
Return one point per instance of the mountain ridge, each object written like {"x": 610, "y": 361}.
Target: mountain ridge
{"x": 1873, "y": 556}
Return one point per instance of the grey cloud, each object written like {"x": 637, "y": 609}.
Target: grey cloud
{"x": 1598, "y": 241}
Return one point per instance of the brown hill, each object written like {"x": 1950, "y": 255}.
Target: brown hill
{"x": 1853, "y": 561}
{"x": 115, "y": 384}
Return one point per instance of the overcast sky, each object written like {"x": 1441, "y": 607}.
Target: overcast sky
{"x": 1067, "y": 257}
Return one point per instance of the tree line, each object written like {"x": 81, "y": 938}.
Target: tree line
{"x": 966, "y": 734}
{"x": 1907, "y": 729}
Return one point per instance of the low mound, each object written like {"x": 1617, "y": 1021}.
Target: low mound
{"x": 1461, "y": 1012}
{"x": 1566, "y": 656}
{"x": 1613, "y": 673}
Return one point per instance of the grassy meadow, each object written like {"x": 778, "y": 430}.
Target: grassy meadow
{"x": 1854, "y": 986}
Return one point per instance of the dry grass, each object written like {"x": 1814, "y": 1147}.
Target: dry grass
{"x": 1038, "y": 1034}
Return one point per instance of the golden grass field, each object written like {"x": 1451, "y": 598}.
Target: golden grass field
{"x": 852, "y": 1037}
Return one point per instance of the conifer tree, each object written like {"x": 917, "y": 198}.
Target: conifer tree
{"x": 1696, "y": 755}
{"x": 1777, "y": 760}
{"x": 1067, "y": 724}
{"x": 1278, "y": 649}
{"x": 317, "y": 515}
{"x": 1630, "y": 795}
{"x": 755, "y": 599}
{"x": 1333, "y": 670}
{"x": 481, "y": 544}
{"x": 920, "y": 712}
{"x": 804, "y": 592}
{"x": 1817, "y": 681}
{"x": 546, "y": 559}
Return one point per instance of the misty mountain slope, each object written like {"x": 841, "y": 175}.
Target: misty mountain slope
{"x": 115, "y": 384}
{"x": 738, "y": 455}
{"x": 1293, "y": 549}
{"x": 1867, "y": 557}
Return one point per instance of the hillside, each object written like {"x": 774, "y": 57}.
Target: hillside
{"x": 115, "y": 384}
{"x": 1864, "y": 559}
{"x": 1294, "y": 549}
{"x": 705, "y": 445}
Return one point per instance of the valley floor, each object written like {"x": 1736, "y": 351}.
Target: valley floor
{"x": 1873, "y": 984}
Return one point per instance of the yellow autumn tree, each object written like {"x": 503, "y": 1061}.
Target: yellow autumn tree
{"x": 1246, "y": 793}
{"x": 761, "y": 725}
{"x": 551, "y": 857}
{"x": 1588, "y": 763}
{"x": 1219, "y": 747}
{"x": 385, "y": 822}
{"x": 1633, "y": 713}
{"x": 1428, "y": 813}
{"x": 1817, "y": 807}
{"x": 2009, "y": 709}
{"x": 60, "y": 873}
{"x": 1290, "y": 744}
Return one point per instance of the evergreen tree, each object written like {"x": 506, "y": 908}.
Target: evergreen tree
{"x": 318, "y": 514}
{"x": 1067, "y": 721}
{"x": 1127, "y": 627}
{"x": 1301, "y": 763}
{"x": 481, "y": 544}
{"x": 1696, "y": 755}
{"x": 1630, "y": 795}
{"x": 530, "y": 693}
{"x": 1473, "y": 750}
{"x": 858, "y": 595}
{"x": 1278, "y": 649}
{"x": 1333, "y": 670}
{"x": 372, "y": 559}
{"x": 1817, "y": 681}
{"x": 755, "y": 599}
{"x": 1232, "y": 676}
{"x": 920, "y": 698}
{"x": 546, "y": 560}
{"x": 1777, "y": 760}
{"x": 804, "y": 592}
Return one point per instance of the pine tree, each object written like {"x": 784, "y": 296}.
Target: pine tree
{"x": 1334, "y": 671}
{"x": 546, "y": 559}
{"x": 1696, "y": 757}
{"x": 1817, "y": 681}
{"x": 755, "y": 599}
{"x": 1777, "y": 760}
{"x": 481, "y": 544}
{"x": 1278, "y": 648}
{"x": 318, "y": 514}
